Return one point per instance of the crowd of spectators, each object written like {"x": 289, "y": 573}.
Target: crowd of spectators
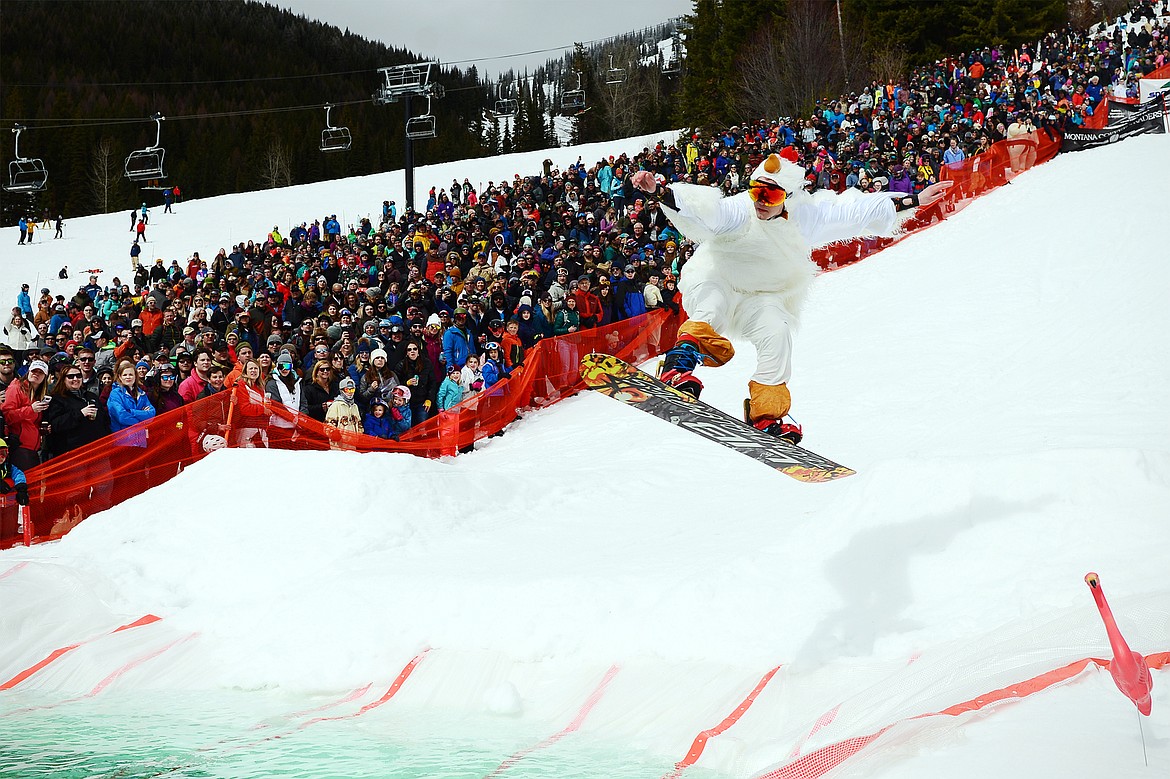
{"x": 376, "y": 328}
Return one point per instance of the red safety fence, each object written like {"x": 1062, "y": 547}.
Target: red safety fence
{"x": 973, "y": 177}
{"x": 65, "y": 490}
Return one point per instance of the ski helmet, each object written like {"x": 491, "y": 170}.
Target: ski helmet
{"x": 213, "y": 442}
{"x": 402, "y": 391}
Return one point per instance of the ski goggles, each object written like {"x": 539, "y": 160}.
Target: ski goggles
{"x": 767, "y": 194}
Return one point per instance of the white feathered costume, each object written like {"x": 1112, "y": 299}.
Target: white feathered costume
{"x": 749, "y": 276}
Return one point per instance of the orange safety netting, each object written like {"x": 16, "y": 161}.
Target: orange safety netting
{"x": 66, "y": 489}
{"x": 973, "y": 177}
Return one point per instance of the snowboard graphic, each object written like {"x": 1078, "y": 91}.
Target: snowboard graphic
{"x": 623, "y": 382}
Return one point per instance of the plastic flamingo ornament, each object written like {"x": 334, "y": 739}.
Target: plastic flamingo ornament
{"x": 1129, "y": 670}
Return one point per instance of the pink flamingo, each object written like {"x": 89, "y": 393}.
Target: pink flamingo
{"x": 1129, "y": 670}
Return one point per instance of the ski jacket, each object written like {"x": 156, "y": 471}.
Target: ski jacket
{"x": 566, "y": 318}
{"x": 344, "y": 415}
{"x": 70, "y": 428}
{"x": 450, "y": 393}
{"x": 312, "y": 399}
{"x": 456, "y": 346}
{"x": 379, "y": 427}
{"x": 400, "y": 419}
{"x": 127, "y": 410}
{"x": 493, "y": 372}
{"x": 278, "y": 391}
{"x": 23, "y": 423}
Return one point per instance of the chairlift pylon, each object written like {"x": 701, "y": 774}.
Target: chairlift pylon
{"x": 573, "y": 100}
{"x": 334, "y": 138}
{"x": 25, "y": 174}
{"x": 147, "y": 164}
{"x": 674, "y": 64}
{"x": 422, "y": 126}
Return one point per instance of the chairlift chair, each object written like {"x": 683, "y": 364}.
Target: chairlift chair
{"x": 573, "y": 100}
{"x": 614, "y": 75}
{"x": 506, "y": 108}
{"x": 334, "y": 138}
{"x": 423, "y": 126}
{"x": 25, "y": 174}
{"x": 147, "y": 164}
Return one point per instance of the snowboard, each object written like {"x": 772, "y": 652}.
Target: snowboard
{"x": 623, "y": 382}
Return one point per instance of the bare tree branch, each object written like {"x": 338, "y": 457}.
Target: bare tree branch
{"x": 102, "y": 174}
{"x": 275, "y": 170}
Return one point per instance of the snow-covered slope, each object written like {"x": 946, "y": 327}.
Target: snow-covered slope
{"x": 1000, "y": 383}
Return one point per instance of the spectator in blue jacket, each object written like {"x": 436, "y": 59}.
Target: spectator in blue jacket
{"x": 128, "y": 405}
{"x": 450, "y": 391}
{"x": 493, "y": 365}
{"x": 377, "y": 421}
{"x": 400, "y": 418}
{"x": 457, "y": 341}
{"x": 24, "y": 302}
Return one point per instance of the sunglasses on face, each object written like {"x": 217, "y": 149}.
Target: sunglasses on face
{"x": 767, "y": 195}
{"x": 71, "y": 376}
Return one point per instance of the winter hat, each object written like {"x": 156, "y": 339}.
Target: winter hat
{"x": 433, "y": 319}
{"x": 347, "y": 383}
{"x": 782, "y": 170}
{"x": 285, "y": 356}
{"x": 377, "y": 353}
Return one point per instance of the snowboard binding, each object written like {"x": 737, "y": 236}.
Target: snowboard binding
{"x": 785, "y": 428}
{"x": 676, "y": 370}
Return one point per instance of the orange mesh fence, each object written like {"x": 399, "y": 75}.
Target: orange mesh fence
{"x": 66, "y": 489}
{"x": 973, "y": 177}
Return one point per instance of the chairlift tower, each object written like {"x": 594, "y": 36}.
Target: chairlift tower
{"x": 402, "y": 82}
{"x": 25, "y": 174}
{"x": 674, "y": 64}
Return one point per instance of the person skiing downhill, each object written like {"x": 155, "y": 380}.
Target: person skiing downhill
{"x": 751, "y": 271}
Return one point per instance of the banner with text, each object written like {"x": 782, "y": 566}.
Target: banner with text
{"x": 1147, "y": 118}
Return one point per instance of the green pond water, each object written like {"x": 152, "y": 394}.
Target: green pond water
{"x": 249, "y": 735}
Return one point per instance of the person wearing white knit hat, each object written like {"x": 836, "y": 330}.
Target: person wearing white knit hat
{"x": 751, "y": 271}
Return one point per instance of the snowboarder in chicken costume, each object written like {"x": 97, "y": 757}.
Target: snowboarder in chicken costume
{"x": 753, "y": 266}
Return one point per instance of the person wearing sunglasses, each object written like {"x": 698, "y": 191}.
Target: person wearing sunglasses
{"x": 74, "y": 417}
{"x": 284, "y": 388}
{"x": 751, "y": 272}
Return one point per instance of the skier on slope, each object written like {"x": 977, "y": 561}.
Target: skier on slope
{"x": 752, "y": 268}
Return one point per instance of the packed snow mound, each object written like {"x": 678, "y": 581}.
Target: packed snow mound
{"x": 999, "y": 384}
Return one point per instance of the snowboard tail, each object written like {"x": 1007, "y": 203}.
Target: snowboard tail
{"x": 623, "y": 382}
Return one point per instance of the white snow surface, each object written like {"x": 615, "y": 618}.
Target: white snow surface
{"x": 999, "y": 382}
